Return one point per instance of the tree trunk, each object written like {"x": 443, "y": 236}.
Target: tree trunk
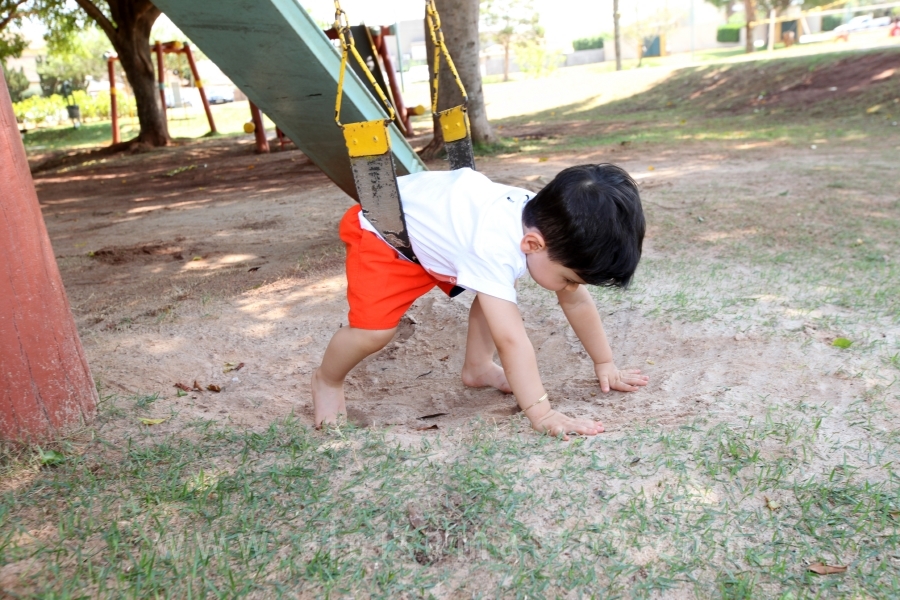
{"x": 506, "y": 62}
{"x": 618, "y": 35}
{"x": 129, "y": 32}
{"x": 136, "y": 61}
{"x": 459, "y": 22}
{"x": 750, "y": 14}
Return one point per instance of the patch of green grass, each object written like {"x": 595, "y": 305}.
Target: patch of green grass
{"x": 229, "y": 119}
{"x": 736, "y": 101}
{"x": 145, "y": 400}
{"x": 486, "y": 511}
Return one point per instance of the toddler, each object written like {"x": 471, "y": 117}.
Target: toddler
{"x": 586, "y": 227}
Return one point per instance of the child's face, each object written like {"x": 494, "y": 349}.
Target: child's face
{"x": 546, "y": 273}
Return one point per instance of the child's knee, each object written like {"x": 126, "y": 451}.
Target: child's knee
{"x": 376, "y": 339}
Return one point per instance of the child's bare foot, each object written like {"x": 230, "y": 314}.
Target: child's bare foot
{"x": 558, "y": 424}
{"x": 328, "y": 401}
{"x": 489, "y": 375}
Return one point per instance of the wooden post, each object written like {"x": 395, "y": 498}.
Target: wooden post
{"x": 771, "y": 35}
{"x": 45, "y": 382}
{"x": 396, "y": 96}
{"x": 199, "y": 84}
{"x": 113, "y": 108}
{"x": 262, "y": 144}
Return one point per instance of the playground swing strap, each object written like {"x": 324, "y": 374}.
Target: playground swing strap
{"x": 369, "y": 143}
{"x": 454, "y": 121}
{"x": 369, "y": 147}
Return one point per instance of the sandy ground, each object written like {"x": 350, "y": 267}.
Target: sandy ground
{"x": 173, "y": 278}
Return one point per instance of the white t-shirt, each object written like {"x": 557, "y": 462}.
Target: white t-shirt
{"x": 465, "y": 229}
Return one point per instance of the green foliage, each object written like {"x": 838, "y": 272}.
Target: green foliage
{"x": 11, "y": 45}
{"x": 830, "y": 22}
{"x": 510, "y": 23}
{"x": 80, "y": 58}
{"x": 39, "y": 109}
{"x": 17, "y": 83}
{"x": 45, "y": 110}
{"x": 728, "y": 34}
{"x": 590, "y": 43}
{"x": 536, "y": 61}
{"x": 14, "y": 13}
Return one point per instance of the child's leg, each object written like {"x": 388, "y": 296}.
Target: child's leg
{"x": 479, "y": 369}
{"x": 345, "y": 350}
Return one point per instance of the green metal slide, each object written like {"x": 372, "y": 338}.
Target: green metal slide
{"x": 277, "y": 55}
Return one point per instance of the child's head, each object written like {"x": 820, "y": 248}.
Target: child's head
{"x": 591, "y": 221}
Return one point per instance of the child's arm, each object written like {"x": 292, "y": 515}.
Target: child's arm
{"x": 520, "y": 365}
{"x": 580, "y": 310}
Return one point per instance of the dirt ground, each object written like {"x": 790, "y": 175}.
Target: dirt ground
{"x": 181, "y": 263}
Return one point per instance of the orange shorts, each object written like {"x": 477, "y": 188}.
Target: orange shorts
{"x": 381, "y": 286}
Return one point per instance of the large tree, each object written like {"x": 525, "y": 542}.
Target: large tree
{"x": 127, "y": 24}
{"x": 459, "y": 22}
{"x": 12, "y": 13}
{"x": 510, "y": 23}
{"x": 76, "y": 60}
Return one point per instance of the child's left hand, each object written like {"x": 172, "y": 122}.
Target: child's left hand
{"x": 626, "y": 380}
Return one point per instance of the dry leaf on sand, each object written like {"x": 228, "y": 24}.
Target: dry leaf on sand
{"x": 149, "y": 422}
{"x": 821, "y": 569}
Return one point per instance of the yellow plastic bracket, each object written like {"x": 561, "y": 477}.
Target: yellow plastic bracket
{"x": 369, "y": 138}
{"x": 454, "y": 124}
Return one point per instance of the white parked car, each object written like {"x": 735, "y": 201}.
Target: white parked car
{"x": 862, "y": 22}
{"x": 219, "y": 95}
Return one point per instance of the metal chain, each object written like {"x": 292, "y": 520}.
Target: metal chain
{"x": 342, "y": 26}
{"x": 437, "y": 38}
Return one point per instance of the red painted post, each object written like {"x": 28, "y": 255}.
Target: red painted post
{"x": 45, "y": 382}
{"x": 262, "y": 144}
{"x": 199, "y": 84}
{"x": 113, "y": 110}
{"x": 392, "y": 81}
{"x": 161, "y": 76}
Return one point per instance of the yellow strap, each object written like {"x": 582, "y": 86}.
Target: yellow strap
{"x": 342, "y": 26}
{"x": 437, "y": 38}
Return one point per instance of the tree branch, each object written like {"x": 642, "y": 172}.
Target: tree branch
{"x": 97, "y": 15}
{"x": 14, "y": 13}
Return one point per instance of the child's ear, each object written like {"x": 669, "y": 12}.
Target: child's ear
{"x": 532, "y": 242}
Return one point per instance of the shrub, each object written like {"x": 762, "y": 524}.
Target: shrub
{"x": 536, "y": 61}
{"x": 39, "y": 109}
{"x": 17, "y": 83}
{"x": 594, "y": 43}
{"x": 829, "y": 22}
{"x": 729, "y": 34}
{"x": 50, "y": 110}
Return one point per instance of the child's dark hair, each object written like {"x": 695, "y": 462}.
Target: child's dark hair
{"x": 591, "y": 218}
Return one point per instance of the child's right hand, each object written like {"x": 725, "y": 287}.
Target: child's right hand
{"x": 559, "y": 425}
